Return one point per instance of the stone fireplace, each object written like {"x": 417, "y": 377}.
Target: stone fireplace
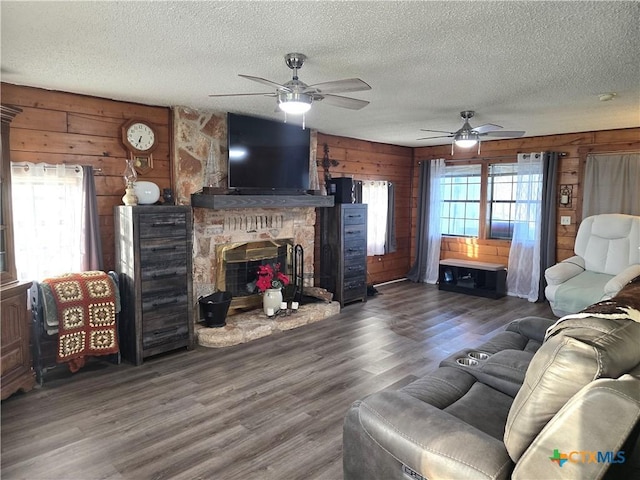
{"x": 251, "y": 236}
{"x": 201, "y": 160}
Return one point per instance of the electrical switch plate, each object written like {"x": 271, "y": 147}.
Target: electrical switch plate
{"x": 565, "y": 220}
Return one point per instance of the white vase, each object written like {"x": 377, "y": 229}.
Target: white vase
{"x": 271, "y": 299}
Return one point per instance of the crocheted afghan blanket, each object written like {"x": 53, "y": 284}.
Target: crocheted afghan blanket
{"x": 86, "y": 316}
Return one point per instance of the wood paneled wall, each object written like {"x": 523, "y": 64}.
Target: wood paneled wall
{"x": 57, "y": 127}
{"x": 574, "y": 145}
{"x": 364, "y": 160}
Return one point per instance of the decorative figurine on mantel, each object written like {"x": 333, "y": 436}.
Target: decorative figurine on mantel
{"x": 130, "y": 177}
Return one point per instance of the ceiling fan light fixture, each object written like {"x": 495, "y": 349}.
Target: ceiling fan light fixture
{"x": 294, "y": 103}
{"x": 465, "y": 139}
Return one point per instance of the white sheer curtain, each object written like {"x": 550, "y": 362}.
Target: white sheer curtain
{"x": 47, "y": 218}
{"x": 611, "y": 184}
{"x": 523, "y": 274}
{"x": 437, "y": 168}
{"x": 375, "y": 193}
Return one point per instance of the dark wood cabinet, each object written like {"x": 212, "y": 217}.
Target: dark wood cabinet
{"x": 153, "y": 260}
{"x": 343, "y": 250}
{"x": 17, "y": 373}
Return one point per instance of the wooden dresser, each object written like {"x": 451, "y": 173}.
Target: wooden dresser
{"x": 17, "y": 373}
{"x": 343, "y": 250}
{"x": 153, "y": 260}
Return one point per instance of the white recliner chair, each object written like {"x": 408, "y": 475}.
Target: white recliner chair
{"x": 607, "y": 256}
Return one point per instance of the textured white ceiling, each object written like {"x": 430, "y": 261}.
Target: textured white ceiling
{"x": 534, "y": 66}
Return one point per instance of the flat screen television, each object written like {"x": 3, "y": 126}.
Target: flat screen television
{"x": 267, "y": 157}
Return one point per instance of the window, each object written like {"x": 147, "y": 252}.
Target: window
{"x": 460, "y": 213}
{"x": 375, "y": 193}
{"x": 501, "y": 200}
{"x": 47, "y": 211}
{"x": 478, "y": 200}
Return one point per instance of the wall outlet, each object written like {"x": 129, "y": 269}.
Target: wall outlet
{"x": 565, "y": 220}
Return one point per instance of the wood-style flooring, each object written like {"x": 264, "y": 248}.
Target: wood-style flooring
{"x": 269, "y": 409}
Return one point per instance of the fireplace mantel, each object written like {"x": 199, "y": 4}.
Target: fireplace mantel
{"x": 220, "y": 202}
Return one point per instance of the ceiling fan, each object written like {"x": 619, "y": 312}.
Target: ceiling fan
{"x": 469, "y": 136}
{"x": 295, "y": 97}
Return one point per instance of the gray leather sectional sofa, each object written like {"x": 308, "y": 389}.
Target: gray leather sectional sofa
{"x": 541, "y": 400}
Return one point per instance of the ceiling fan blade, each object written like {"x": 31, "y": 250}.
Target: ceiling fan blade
{"x": 242, "y": 94}
{"x": 344, "y": 102}
{"x": 264, "y": 81}
{"x": 340, "y": 86}
{"x": 439, "y": 136}
{"x": 487, "y": 127}
{"x": 437, "y": 131}
{"x": 502, "y": 133}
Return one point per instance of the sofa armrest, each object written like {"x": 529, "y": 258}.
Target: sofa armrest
{"x": 533, "y": 328}
{"x": 614, "y": 285}
{"x": 563, "y": 271}
{"x": 408, "y": 431}
{"x": 599, "y": 418}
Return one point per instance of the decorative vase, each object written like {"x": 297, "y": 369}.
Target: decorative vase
{"x": 130, "y": 177}
{"x": 271, "y": 299}
{"x": 130, "y": 197}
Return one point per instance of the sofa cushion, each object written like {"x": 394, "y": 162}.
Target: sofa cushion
{"x": 571, "y": 357}
{"x": 433, "y": 426}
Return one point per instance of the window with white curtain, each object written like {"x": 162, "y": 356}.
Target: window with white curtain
{"x": 47, "y": 211}
{"x": 375, "y": 193}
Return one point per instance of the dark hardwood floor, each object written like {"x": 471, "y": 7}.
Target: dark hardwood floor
{"x": 269, "y": 409}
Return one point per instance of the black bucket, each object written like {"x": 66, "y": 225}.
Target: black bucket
{"x": 214, "y": 308}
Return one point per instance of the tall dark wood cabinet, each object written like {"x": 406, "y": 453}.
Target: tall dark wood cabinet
{"x": 153, "y": 260}
{"x": 343, "y": 250}
{"x": 17, "y": 373}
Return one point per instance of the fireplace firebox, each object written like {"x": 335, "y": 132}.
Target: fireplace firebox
{"x": 237, "y": 267}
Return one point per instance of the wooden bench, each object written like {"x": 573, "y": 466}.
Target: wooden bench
{"x": 482, "y": 279}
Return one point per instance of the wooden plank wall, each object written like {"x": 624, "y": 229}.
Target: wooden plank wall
{"x": 363, "y": 160}
{"x": 574, "y": 145}
{"x": 57, "y": 127}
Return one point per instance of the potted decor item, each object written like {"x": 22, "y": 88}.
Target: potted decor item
{"x": 270, "y": 283}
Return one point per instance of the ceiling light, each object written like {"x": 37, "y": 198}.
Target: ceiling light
{"x": 605, "y": 97}
{"x": 294, "y": 103}
{"x": 466, "y": 139}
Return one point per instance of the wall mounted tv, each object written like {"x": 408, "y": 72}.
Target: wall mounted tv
{"x": 267, "y": 157}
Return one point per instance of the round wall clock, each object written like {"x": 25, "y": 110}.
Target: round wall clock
{"x": 139, "y": 136}
{"x": 141, "y": 139}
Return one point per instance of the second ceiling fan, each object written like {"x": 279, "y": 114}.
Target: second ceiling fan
{"x": 468, "y": 136}
{"x": 295, "y": 97}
